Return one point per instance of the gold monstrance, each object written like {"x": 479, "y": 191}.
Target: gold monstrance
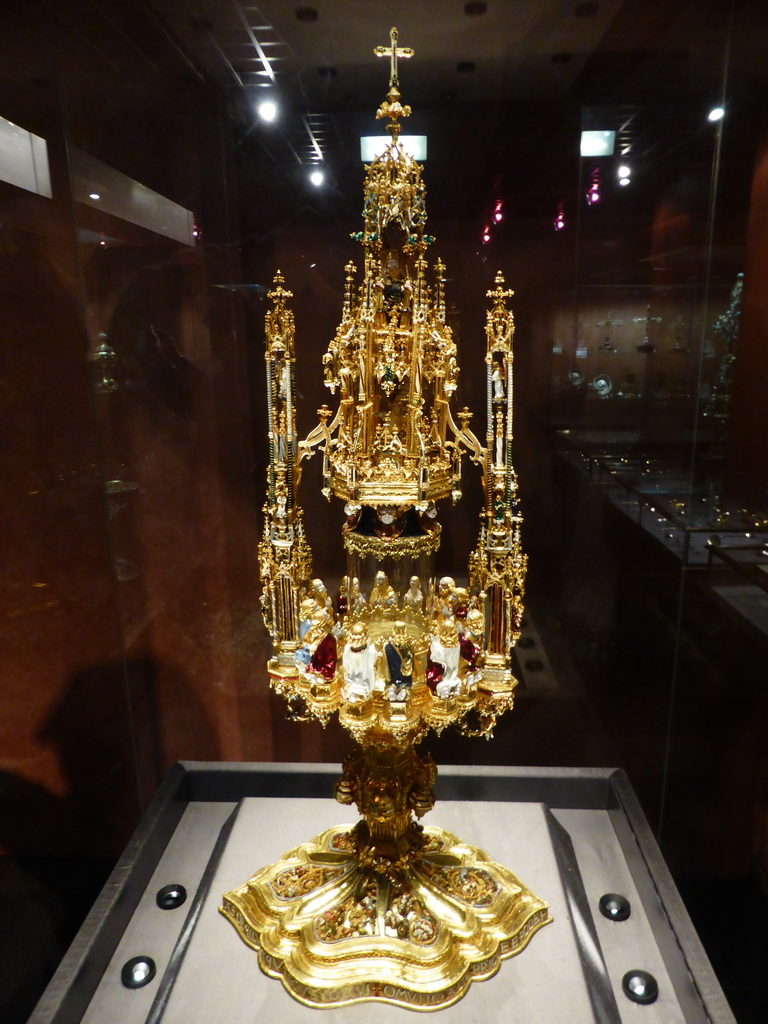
{"x": 387, "y": 909}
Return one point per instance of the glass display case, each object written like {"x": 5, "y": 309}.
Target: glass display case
{"x": 160, "y": 162}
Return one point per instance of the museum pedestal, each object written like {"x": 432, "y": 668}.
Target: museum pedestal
{"x": 574, "y": 835}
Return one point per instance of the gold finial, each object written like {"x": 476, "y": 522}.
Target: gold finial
{"x": 393, "y": 52}
{"x": 278, "y": 292}
{"x": 499, "y": 293}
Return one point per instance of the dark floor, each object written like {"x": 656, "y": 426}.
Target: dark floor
{"x": 43, "y": 902}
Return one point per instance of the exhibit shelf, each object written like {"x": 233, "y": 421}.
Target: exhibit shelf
{"x": 154, "y": 947}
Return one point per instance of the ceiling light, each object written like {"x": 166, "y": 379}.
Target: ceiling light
{"x": 593, "y": 195}
{"x": 317, "y": 177}
{"x": 623, "y": 181}
{"x": 595, "y": 143}
{"x": 623, "y": 171}
{"x": 94, "y": 195}
{"x": 715, "y": 114}
{"x": 267, "y": 110}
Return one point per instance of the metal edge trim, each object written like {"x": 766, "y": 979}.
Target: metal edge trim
{"x": 79, "y": 973}
{"x": 680, "y": 929}
{"x": 160, "y": 1002}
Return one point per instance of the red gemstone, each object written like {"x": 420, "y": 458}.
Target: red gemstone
{"x": 435, "y": 672}
{"x": 469, "y": 651}
{"x": 323, "y": 661}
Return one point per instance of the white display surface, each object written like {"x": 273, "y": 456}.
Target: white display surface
{"x": 219, "y": 979}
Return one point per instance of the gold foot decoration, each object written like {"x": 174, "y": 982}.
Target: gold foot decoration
{"x": 384, "y": 910}
{"x": 335, "y": 932}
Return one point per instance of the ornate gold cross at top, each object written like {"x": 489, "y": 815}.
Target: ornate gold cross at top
{"x": 394, "y": 51}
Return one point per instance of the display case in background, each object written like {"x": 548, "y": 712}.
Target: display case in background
{"x": 144, "y": 208}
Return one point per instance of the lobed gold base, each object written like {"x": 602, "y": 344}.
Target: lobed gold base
{"x": 337, "y": 932}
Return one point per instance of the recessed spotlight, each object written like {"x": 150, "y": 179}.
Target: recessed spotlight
{"x": 623, "y": 181}
{"x": 316, "y": 178}
{"x": 94, "y": 195}
{"x": 171, "y": 896}
{"x": 716, "y": 114}
{"x": 614, "y": 907}
{"x": 640, "y": 986}
{"x": 623, "y": 171}
{"x": 267, "y": 110}
{"x": 138, "y": 971}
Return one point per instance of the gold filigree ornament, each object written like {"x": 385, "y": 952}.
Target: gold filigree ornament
{"x": 387, "y": 910}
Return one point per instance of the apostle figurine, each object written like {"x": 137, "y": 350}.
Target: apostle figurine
{"x": 399, "y": 655}
{"x": 446, "y": 592}
{"x": 301, "y": 658}
{"x": 382, "y": 595}
{"x": 317, "y": 653}
{"x": 306, "y": 610}
{"x": 461, "y": 605}
{"x": 342, "y": 599}
{"x": 321, "y": 596}
{"x": 474, "y": 626}
{"x": 359, "y": 663}
{"x": 413, "y": 599}
{"x": 323, "y": 659}
{"x": 357, "y": 602}
{"x": 444, "y": 650}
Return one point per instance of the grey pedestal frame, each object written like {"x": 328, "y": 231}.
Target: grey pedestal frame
{"x": 80, "y": 973}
